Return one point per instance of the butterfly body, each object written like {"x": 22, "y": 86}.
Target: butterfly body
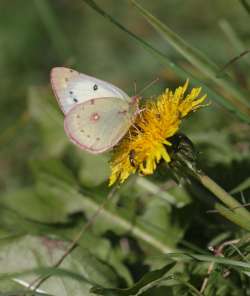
{"x": 97, "y": 113}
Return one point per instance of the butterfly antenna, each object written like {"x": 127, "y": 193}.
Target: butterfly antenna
{"x": 148, "y": 85}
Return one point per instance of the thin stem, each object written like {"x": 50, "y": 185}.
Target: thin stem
{"x": 223, "y": 196}
{"x": 184, "y": 164}
{"x": 235, "y": 218}
{"x": 218, "y": 251}
{"x": 232, "y": 61}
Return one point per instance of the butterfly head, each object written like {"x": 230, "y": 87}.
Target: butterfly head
{"x": 135, "y": 100}
{"x": 134, "y": 103}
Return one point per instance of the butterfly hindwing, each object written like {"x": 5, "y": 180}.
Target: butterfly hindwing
{"x": 98, "y": 124}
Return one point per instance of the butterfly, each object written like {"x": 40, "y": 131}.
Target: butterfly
{"x": 97, "y": 113}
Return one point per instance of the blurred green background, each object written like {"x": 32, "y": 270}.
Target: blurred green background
{"x": 41, "y": 173}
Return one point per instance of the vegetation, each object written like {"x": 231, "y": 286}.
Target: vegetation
{"x": 183, "y": 230}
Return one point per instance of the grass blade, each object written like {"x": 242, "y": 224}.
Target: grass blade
{"x": 198, "y": 59}
{"x": 226, "y": 103}
{"x": 57, "y": 37}
{"x": 245, "y": 266}
{"x": 245, "y": 5}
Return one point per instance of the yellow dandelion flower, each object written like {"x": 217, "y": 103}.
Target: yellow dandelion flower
{"x": 146, "y": 141}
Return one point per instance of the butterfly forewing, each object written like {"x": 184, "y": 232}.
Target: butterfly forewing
{"x": 72, "y": 87}
{"x": 98, "y": 124}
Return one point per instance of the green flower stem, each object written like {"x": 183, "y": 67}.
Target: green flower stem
{"x": 184, "y": 166}
{"x": 236, "y": 211}
{"x": 233, "y": 217}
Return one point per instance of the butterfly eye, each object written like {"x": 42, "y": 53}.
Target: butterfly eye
{"x": 95, "y": 87}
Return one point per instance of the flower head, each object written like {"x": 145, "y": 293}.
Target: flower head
{"x": 147, "y": 140}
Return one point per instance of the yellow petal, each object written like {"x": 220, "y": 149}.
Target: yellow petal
{"x": 150, "y": 133}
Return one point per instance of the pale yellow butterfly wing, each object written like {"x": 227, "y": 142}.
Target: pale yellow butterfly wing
{"x": 71, "y": 88}
{"x": 98, "y": 125}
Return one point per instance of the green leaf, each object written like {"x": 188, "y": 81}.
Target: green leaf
{"x": 147, "y": 279}
{"x": 146, "y": 186}
{"x": 32, "y": 254}
{"x": 56, "y": 191}
{"x": 88, "y": 173}
{"x": 54, "y": 200}
{"x": 157, "y": 219}
{"x": 44, "y": 111}
{"x": 50, "y": 167}
{"x": 44, "y": 202}
{"x": 242, "y": 186}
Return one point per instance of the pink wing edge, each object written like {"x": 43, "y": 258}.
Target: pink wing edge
{"x": 71, "y": 137}
{"x": 52, "y": 81}
{"x": 84, "y": 147}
